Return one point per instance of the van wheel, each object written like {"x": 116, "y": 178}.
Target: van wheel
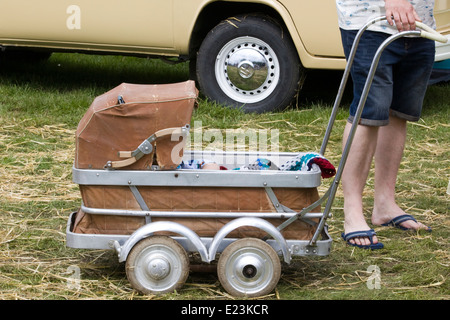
{"x": 249, "y": 62}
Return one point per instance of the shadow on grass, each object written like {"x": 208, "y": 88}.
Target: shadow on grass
{"x": 65, "y": 72}
{"x": 72, "y": 71}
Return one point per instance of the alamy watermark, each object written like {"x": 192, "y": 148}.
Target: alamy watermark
{"x": 374, "y": 280}
{"x": 73, "y": 21}
{"x": 74, "y": 279}
{"x": 217, "y": 144}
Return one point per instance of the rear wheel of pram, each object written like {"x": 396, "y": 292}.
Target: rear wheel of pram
{"x": 157, "y": 265}
{"x": 249, "y": 268}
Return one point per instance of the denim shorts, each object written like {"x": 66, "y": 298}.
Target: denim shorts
{"x": 400, "y": 81}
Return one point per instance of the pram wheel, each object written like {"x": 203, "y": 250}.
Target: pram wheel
{"x": 157, "y": 265}
{"x": 249, "y": 268}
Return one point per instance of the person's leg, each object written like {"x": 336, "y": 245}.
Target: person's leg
{"x": 374, "y": 114}
{"x": 388, "y": 156}
{"x": 411, "y": 76}
{"x": 354, "y": 179}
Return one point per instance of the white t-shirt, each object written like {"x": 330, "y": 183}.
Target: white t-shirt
{"x": 354, "y": 14}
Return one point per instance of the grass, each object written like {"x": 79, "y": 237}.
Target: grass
{"x": 40, "y": 107}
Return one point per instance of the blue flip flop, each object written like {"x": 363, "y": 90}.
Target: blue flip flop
{"x": 366, "y": 234}
{"x": 397, "y": 220}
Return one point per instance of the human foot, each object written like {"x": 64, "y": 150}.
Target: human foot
{"x": 357, "y": 232}
{"x": 360, "y": 236}
{"x": 397, "y": 218}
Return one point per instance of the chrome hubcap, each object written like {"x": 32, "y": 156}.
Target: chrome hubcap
{"x": 247, "y": 70}
{"x": 249, "y": 270}
{"x": 158, "y": 268}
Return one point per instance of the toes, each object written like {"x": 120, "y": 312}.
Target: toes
{"x": 364, "y": 241}
{"x": 410, "y": 224}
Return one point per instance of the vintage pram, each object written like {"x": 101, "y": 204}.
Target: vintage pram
{"x": 137, "y": 201}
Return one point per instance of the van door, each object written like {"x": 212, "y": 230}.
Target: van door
{"x": 132, "y": 23}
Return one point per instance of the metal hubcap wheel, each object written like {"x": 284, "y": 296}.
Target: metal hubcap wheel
{"x": 249, "y": 267}
{"x": 247, "y": 70}
{"x": 157, "y": 265}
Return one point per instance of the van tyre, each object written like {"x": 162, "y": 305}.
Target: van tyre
{"x": 249, "y": 62}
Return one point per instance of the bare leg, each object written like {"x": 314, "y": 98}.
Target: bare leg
{"x": 354, "y": 179}
{"x": 388, "y": 156}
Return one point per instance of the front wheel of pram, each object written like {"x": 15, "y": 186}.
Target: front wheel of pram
{"x": 157, "y": 265}
{"x": 249, "y": 268}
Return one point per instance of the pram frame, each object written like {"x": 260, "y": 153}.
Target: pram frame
{"x": 207, "y": 247}
{"x": 202, "y": 178}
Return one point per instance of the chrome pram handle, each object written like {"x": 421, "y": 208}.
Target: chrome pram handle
{"x": 430, "y": 33}
{"x": 424, "y": 32}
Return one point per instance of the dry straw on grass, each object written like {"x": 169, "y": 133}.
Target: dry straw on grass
{"x": 19, "y": 186}
{"x": 37, "y": 194}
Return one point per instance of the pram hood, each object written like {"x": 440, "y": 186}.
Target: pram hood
{"x": 122, "y": 118}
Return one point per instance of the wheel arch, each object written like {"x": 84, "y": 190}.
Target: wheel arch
{"x": 159, "y": 226}
{"x": 254, "y": 222}
{"x": 216, "y": 11}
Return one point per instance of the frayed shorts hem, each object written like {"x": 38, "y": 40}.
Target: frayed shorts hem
{"x": 380, "y": 123}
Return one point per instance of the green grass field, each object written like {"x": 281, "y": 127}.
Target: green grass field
{"x": 40, "y": 107}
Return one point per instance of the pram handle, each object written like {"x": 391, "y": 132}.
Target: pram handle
{"x": 145, "y": 147}
{"x": 425, "y": 32}
{"x": 430, "y": 33}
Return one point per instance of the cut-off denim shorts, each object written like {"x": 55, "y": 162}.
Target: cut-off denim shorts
{"x": 400, "y": 81}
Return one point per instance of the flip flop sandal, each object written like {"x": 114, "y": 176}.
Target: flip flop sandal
{"x": 364, "y": 234}
{"x": 398, "y": 220}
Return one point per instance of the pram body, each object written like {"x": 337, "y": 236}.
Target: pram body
{"x": 125, "y": 201}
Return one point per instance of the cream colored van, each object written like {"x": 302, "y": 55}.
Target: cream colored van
{"x": 244, "y": 53}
